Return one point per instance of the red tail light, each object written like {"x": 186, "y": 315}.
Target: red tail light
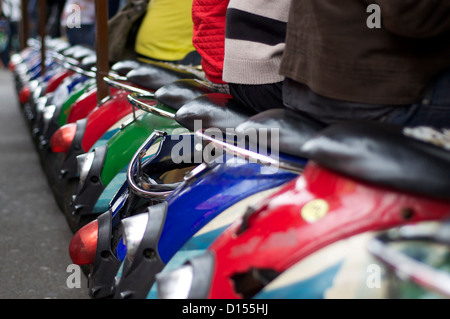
{"x": 24, "y": 94}
{"x": 62, "y": 139}
{"x": 83, "y": 247}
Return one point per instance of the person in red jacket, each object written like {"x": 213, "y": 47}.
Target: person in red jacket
{"x": 209, "y": 18}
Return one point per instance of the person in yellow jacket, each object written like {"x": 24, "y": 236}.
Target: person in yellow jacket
{"x": 166, "y": 33}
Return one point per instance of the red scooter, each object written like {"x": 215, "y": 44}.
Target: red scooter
{"x": 362, "y": 177}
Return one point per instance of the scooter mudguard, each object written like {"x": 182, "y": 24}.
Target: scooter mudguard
{"x": 342, "y": 270}
{"x": 57, "y": 80}
{"x": 315, "y": 210}
{"x": 102, "y": 118}
{"x": 46, "y": 125}
{"x": 407, "y": 262}
{"x": 81, "y": 103}
{"x": 81, "y": 108}
{"x": 189, "y": 209}
{"x": 199, "y": 243}
{"x": 27, "y": 92}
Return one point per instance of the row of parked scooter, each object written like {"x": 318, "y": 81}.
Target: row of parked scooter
{"x": 174, "y": 191}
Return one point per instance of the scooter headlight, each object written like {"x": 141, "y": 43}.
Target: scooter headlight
{"x": 37, "y": 92}
{"x": 176, "y": 284}
{"x": 34, "y": 84}
{"x": 15, "y": 60}
{"x": 190, "y": 281}
{"x": 41, "y": 103}
{"x": 48, "y": 114}
{"x": 85, "y": 162}
{"x": 133, "y": 229}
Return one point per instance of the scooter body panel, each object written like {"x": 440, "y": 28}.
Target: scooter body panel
{"x": 83, "y": 105}
{"x": 193, "y": 206}
{"x": 73, "y": 97}
{"x": 105, "y": 116}
{"x": 309, "y": 213}
{"x": 57, "y": 80}
{"x": 123, "y": 145}
{"x": 225, "y": 185}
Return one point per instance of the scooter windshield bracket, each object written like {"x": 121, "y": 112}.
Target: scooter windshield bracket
{"x": 134, "y": 100}
{"x": 134, "y": 169}
{"x": 417, "y": 271}
{"x": 113, "y": 81}
{"x": 247, "y": 154}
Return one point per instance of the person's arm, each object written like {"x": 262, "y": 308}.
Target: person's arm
{"x": 415, "y": 18}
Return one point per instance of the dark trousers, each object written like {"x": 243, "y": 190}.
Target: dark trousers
{"x": 258, "y": 98}
{"x": 433, "y": 110}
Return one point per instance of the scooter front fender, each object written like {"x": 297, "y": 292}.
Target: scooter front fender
{"x": 313, "y": 211}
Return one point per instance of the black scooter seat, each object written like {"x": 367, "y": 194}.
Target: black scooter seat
{"x": 77, "y": 52}
{"x": 179, "y": 93}
{"x": 124, "y": 67}
{"x": 82, "y": 53}
{"x": 61, "y": 47}
{"x": 214, "y": 110}
{"x": 89, "y": 62}
{"x": 380, "y": 153}
{"x": 153, "y": 75}
{"x": 293, "y": 128}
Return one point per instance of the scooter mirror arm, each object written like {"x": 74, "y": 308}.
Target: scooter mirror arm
{"x": 134, "y": 168}
{"x": 113, "y": 81}
{"x": 73, "y": 65}
{"x": 67, "y": 61}
{"x": 250, "y": 155}
{"x": 134, "y": 100}
{"x": 418, "y": 272}
{"x": 79, "y": 70}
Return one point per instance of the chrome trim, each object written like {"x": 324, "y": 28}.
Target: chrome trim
{"x": 134, "y": 228}
{"x": 85, "y": 162}
{"x": 175, "y": 284}
{"x": 79, "y": 70}
{"x": 261, "y": 159}
{"x": 133, "y": 99}
{"x": 135, "y": 168}
{"x": 405, "y": 266}
{"x": 196, "y": 171}
{"x": 113, "y": 82}
{"x": 71, "y": 64}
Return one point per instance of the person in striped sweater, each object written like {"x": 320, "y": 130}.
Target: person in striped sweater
{"x": 255, "y": 35}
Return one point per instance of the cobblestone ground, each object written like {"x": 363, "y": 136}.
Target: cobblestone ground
{"x": 34, "y": 235}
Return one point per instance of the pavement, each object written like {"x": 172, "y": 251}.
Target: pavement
{"x": 34, "y": 235}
